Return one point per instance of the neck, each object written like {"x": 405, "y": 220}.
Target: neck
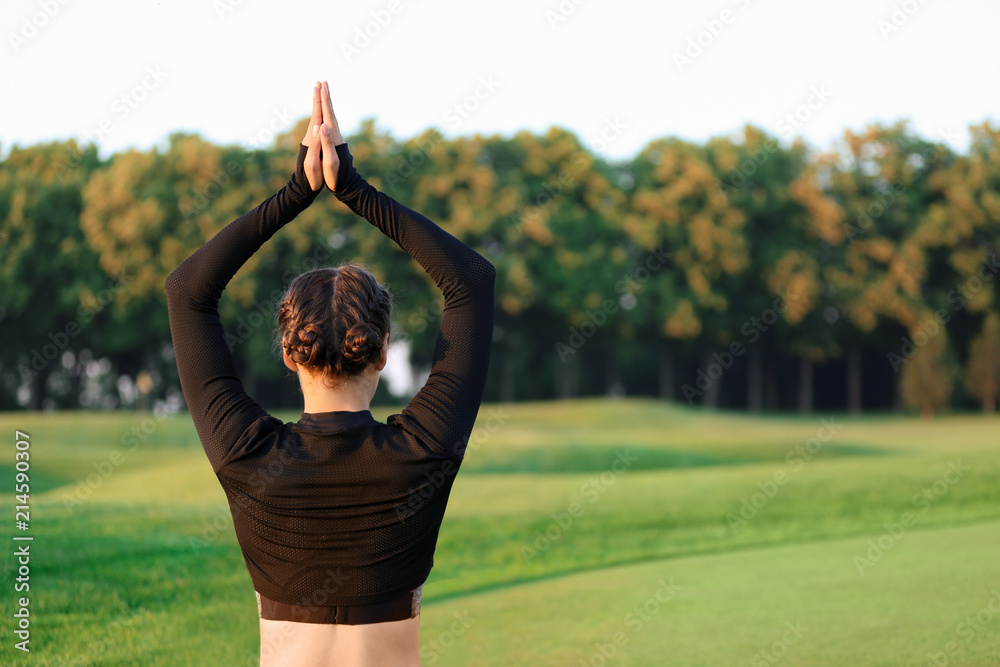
{"x": 353, "y": 395}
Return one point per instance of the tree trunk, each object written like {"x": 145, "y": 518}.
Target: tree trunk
{"x": 772, "y": 393}
{"x": 711, "y": 398}
{"x": 927, "y": 412}
{"x": 666, "y": 375}
{"x": 568, "y": 378}
{"x": 854, "y": 378}
{"x": 76, "y": 380}
{"x": 506, "y": 382}
{"x": 755, "y": 379}
{"x": 805, "y": 385}
{"x": 37, "y": 400}
{"x": 614, "y": 381}
{"x": 990, "y": 401}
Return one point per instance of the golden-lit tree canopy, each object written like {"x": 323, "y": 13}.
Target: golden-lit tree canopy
{"x": 735, "y": 269}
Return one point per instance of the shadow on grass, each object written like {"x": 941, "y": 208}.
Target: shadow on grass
{"x": 589, "y": 458}
{"x": 40, "y": 480}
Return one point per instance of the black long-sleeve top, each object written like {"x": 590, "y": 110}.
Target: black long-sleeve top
{"x": 336, "y": 508}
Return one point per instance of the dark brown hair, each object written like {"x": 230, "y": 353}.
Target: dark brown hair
{"x": 332, "y": 321}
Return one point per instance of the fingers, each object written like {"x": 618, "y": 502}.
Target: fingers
{"x": 317, "y": 112}
{"x": 329, "y": 117}
{"x": 326, "y": 103}
{"x": 311, "y": 137}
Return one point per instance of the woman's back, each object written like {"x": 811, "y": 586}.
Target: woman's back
{"x": 337, "y": 508}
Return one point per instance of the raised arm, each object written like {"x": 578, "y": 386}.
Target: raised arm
{"x": 220, "y": 408}
{"x": 444, "y": 410}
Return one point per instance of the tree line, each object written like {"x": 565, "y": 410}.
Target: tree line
{"x": 740, "y": 272}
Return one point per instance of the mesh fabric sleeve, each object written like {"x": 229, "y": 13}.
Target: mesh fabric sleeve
{"x": 219, "y": 406}
{"x": 444, "y": 410}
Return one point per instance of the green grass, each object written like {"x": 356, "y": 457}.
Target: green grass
{"x": 138, "y": 565}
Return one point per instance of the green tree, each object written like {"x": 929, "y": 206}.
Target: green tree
{"x": 883, "y": 181}
{"x": 676, "y": 205}
{"x": 792, "y": 229}
{"x": 48, "y": 275}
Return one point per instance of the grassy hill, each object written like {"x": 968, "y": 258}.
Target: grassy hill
{"x": 877, "y": 534}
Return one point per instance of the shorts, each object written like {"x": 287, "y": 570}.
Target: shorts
{"x": 398, "y": 609}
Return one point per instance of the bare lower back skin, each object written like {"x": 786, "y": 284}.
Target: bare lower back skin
{"x": 291, "y": 644}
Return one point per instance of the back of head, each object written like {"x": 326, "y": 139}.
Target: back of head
{"x": 332, "y": 321}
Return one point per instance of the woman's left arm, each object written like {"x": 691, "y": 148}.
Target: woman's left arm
{"x": 220, "y": 408}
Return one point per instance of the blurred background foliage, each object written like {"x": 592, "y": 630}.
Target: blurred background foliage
{"x": 744, "y": 273}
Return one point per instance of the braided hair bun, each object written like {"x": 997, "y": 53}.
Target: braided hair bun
{"x": 333, "y": 321}
{"x": 362, "y": 346}
{"x": 305, "y": 346}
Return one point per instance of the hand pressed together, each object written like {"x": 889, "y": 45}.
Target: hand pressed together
{"x": 321, "y": 139}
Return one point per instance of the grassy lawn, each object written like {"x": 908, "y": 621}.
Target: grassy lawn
{"x": 799, "y": 540}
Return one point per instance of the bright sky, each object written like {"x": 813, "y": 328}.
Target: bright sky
{"x": 618, "y": 73}
{"x": 129, "y": 73}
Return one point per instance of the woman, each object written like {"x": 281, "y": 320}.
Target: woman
{"x": 337, "y": 514}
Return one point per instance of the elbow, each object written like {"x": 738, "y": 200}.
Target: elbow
{"x": 170, "y": 284}
{"x": 488, "y": 272}
{"x": 174, "y": 284}
{"x": 483, "y": 277}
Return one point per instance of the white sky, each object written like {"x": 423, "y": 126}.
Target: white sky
{"x": 235, "y": 70}
{"x": 230, "y": 75}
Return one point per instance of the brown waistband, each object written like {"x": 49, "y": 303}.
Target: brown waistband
{"x": 398, "y": 609}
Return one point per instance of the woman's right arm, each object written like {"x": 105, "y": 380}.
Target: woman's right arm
{"x": 444, "y": 410}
